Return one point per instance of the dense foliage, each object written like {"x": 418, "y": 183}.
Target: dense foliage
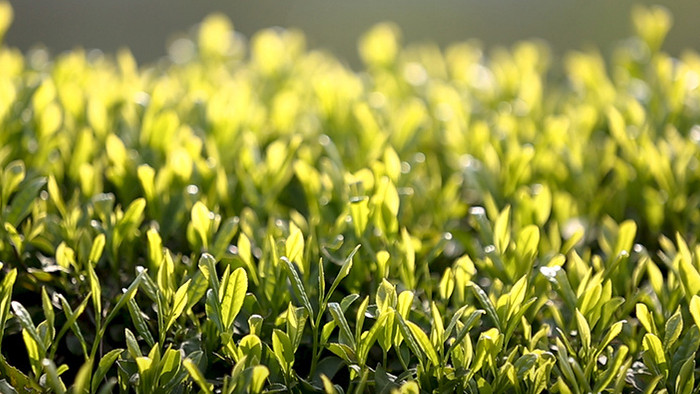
{"x": 258, "y": 217}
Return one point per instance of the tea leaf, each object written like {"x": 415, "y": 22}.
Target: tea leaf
{"x": 424, "y": 343}
{"x": 127, "y": 294}
{"x": 23, "y": 200}
{"x": 207, "y": 265}
{"x": 298, "y": 285}
{"x": 139, "y": 322}
{"x": 673, "y": 328}
{"x": 25, "y": 320}
{"x": 344, "y": 271}
{"x": 233, "y": 295}
{"x": 103, "y": 367}
{"x": 282, "y": 348}
{"x": 368, "y": 338}
{"x": 501, "y": 231}
{"x": 346, "y": 336}
{"x": 294, "y": 247}
{"x": 81, "y": 384}
{"x": 197, "y": 376}
{"x": 584, "y": 330}
{"x": 694, "y": 309}
{"x": 53, "y": 380}
{"x": 98, "y": 245}
{"x": 654, "y": 355}
{"x": 201, "y": 222}
{"x": 486, "y": 303}
{"x": 259, "y": 376}
{"x": 645, "y": 318}
{"x": 5, "y": 298}
{"x": 179, "y": 303}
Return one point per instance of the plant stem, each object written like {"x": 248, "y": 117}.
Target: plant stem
{"x": 314, "y": 353}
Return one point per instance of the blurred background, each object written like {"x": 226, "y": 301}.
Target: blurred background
{"x": 146, "y": 27}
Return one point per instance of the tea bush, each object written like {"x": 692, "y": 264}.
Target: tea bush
{"x": 258, "y": 217}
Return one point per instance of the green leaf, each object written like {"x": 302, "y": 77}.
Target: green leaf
{"x": 296, "y": 321}
{"x": 233, "y": 296}
{"x": 23, "y": 200}
{"x": 201, "y": 222}
{"x": 55, "y": 195}
{"x": 645, "y": 318}
{"x": 250, "y": 347}
{"x": 410, "y": 339}
{"x": 360, "y": 212}
{"x": 673, "y": 329}
{"x": 245, "y": 253}
{"x": 283, "y": 350}
{"x": 132, "y": 344}
{"x": 438, "y": 328}
{"x": 53, "y": 380}
{"x": 654, "y": 355}
{"x": 224, "y": 236}
{"x": 125, "y": 297}
{"x": 81, "y": 385}
{"x": 625, "y": 237}
{"x": 424, "y": 343}
{"x": 6, "y": 298}
{"x": 213, "y": 310}
{"x": 528, "y": 241}
{"x": 386, "y": 296}
{"x": 321, "y": 284}
{"x": 25, "y": 320}
{"x": 298, "y": 285}
{"x": 47, "y": 308}
{"x": 197, "y": 376}
{"x": 12, "y": 176}
{"x": 16, "y": 239}
{"x": 486, "y": 303}
{"x": 259, "y": 374}
{"x": 139, "y": 322}
{"x": 453, "y": 322}
{"x": 584, "y": 331}
{"x": 98, "y": 245}
{"x": 613, "y": 369}
{"x": 344, "y": 352}
{"x": 501, "y": 231}
{"x": 447, "y": 284}
{"x": 95, "y": 290}
{"x": 207, "y": 265}
{"x": 346, "y": 336}
{"x": 16, "y": 379}
{"x": 294, "y": 246}
{"x": 685, "y": 382}
{"x": 344, "y": 271}
{"x": 104, "y": 366}
{"x": 689, "y": 276}
{"x": 610, "y": 334}
{"x": 72, "y": 318}
{"x": 179, "y": 303}
{"x": 524, "y": 364}
{"x": 133, "y": 215}
{"x": 255, "y": 324}
{"x": 197, "y": 289}
{"x": 129, "y": 222}
{"x": 155, "y": 248}
{"x": 471, "y": 320}
{"x": 694, "y": 310}
{"x": 369, "y": 338}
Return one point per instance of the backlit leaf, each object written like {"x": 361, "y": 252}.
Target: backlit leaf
{"x": 233, "y": 295}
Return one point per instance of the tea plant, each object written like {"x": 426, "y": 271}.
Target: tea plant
{"x": 253, "y": 216}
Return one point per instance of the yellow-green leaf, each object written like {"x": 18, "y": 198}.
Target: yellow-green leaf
{"x": 233, "y": 296}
